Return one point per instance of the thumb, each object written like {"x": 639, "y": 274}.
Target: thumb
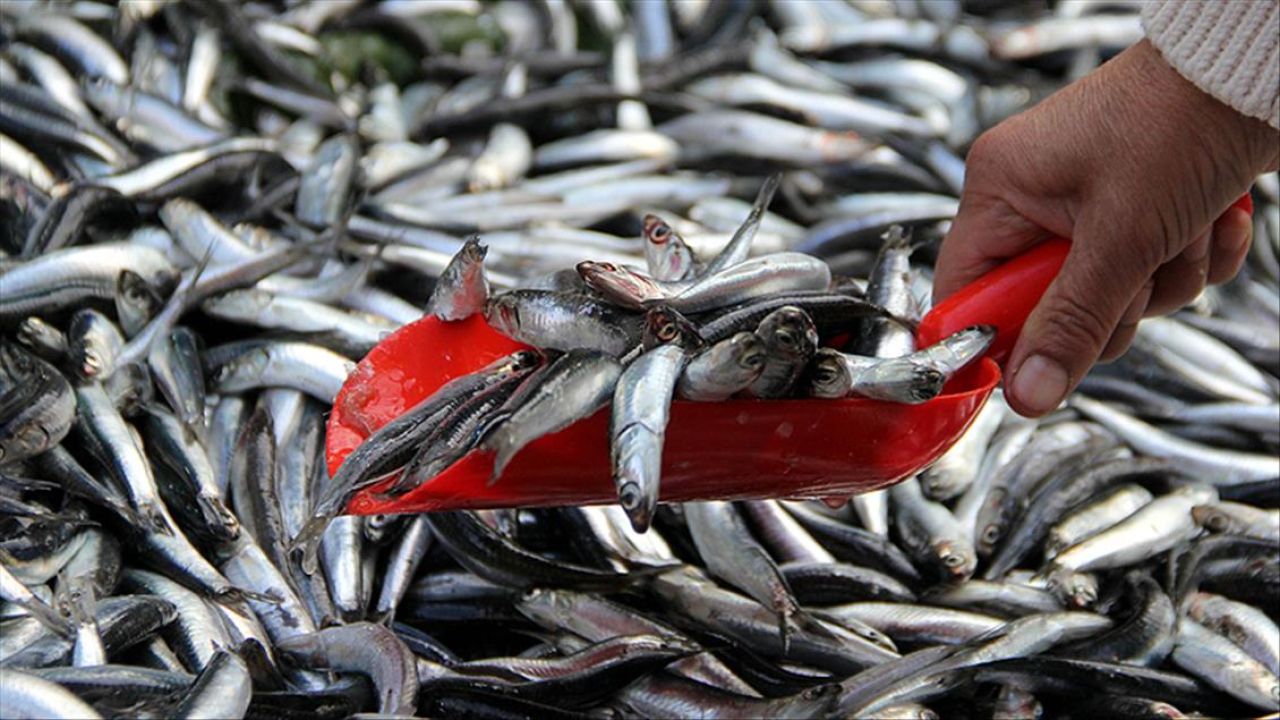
{"x": 1070, "y": 327}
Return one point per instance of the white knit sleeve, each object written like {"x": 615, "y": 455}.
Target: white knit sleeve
{"x": 1228, "y": 48}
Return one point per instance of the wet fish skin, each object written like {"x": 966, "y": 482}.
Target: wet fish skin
{"x": 1094, "y": 517}
{"x": 1243, "y": 624}
{"x": 1218, "y": 662}
{"x": 575, "y": 386}
{"x": 366, "y": 648}
{"x": 640, "y": 411}
{"x": 26, "y": 695}
{"x": 496, "y": 558}
{"x": 1162, "y": 524}
{"x": 666, "y": 254}
{"x": 222, "y": 689}
{"x": 931, "y": 532}
{"x": 37, "y": 405}
{"x": 790, "y": 340}
{"x": 462, "y": 290}
{"x": 723, "y": 369}
{"x": 560, "y": 321}
{"x": 733, "y": 556}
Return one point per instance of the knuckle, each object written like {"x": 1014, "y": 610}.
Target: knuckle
{"x": 1075, "y": 326}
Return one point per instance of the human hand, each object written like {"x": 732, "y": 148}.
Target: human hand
{"x": 1139, "y": 168}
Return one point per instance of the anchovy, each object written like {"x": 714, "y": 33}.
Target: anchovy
{"x": 931, "y": 533}
{"x": 322, "y": 196}
{"x": 62, "y": 278}
{"x": 222, "y": 689}
{"x": 913, "y": 378}
{"x": 314, "y": 370}
{"x": 789, "y": 340}
{"x": 559, "y": 321}
{"x": 186, "y": 461}
{"x": 1161, "y": 524}
{"x": 637, "y": 425}
{"x": 462, "y": 290}
{"x": 26, "y": 695}
{"x": 672, "y": 698}
{"x": 1146, "y": 637}
{"x": 1088, "y": 520}
{"x": 1218, "y": 662}
{"x": 493, "y": 557}
{"x": 368, "y": 649}
{"x": 754, "y": 625}
{"x": 574, "y": 386}
{"x": 921, "y": 624}
{"x": 1224, "y": 467}
{"x": 765, "y": 275}
{"x": 734, "y": 557}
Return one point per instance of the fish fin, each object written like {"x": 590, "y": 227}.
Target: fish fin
{"x": 307, "y": 543}
{"x": 48, "y": 615}
{"x": 811, "y": 623}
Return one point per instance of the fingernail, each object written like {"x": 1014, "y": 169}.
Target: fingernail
{"x": 1040, "y": 384}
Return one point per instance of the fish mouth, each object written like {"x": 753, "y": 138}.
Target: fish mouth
{"x": 502, "y": 314}
{"x": 473, "y": 250}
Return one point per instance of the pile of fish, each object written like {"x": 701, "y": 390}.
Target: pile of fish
{"x": 209, "y": 211}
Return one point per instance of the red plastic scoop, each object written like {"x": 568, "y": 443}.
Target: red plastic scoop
{"x": 738, "y": 449}
{"x": 729, "y": 450}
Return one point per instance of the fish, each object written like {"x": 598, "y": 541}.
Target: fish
{"x": 576, "y": 385}
{"x": 462, "y": 289}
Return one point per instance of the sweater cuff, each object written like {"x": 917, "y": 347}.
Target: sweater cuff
{"x": 1228, "y": 48}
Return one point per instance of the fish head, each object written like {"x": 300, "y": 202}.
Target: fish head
{"x": 958, "y": 561}
{"x": 518, "y": 362}
{"x": 619, "y": 284}
{"x": 27, "y": 440}
{"x": 1211, "y": 518}
{"x": 828, "y": 375}
{"x": 656, "y": 231}
{"x": 546, "y": 607}
{"x": 136, "y": 301}
{"x": 817, "y": 701}
{"x": 503, "y": 314}
{"x": 665, "y": 326}
{"x": 473, "y": 252}
{"x": 34, "y": 332}
{"x": 748, "y": 351}
{"x": 790, "y": 330}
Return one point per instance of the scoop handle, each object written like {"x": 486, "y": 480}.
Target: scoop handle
{"x": 1006, "y": 295}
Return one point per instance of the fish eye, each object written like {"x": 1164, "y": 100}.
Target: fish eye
{"x": 607, "y": 267}
{"x": 667, "y": 331}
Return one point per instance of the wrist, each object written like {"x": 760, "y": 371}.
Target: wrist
{"x": 1241, "y": 146}
{"x": 1212, "y": 149}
